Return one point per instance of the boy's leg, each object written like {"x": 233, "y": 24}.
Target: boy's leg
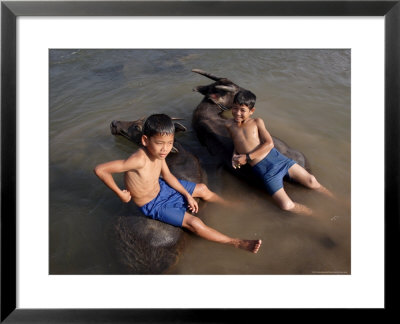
{"x": 299, "y": 174}
{"x": 202, "y": 191}
{"x": 284, "y": 202}
{"x": 197, "y": 226}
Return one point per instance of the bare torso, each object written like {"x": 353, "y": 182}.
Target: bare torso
{"x": 246, "y": 138}
{"x": 142, "y": 183}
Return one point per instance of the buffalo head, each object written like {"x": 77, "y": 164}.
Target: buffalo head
{"x": 221, "y": 92}
{"x": 132, "y": 130}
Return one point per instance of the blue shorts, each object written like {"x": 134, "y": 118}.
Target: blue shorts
{"x": 169, "y": 206}
{"x": 272, "y": 169}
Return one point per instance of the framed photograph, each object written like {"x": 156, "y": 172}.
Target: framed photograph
{"x": 326, "y": 75}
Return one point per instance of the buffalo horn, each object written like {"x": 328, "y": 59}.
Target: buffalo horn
{"x": 226, "y": 88}
{"x": 206, "y": 74}
{"x": 179, "y": 127}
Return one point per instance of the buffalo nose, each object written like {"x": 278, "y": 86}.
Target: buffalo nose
{"x": 113, "y": 127}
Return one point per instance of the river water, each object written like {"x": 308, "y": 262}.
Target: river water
{"x": 303, "y": 97}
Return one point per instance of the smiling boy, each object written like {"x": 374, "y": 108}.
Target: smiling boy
{"x": 164, "y": 198}
{"x": 254, "y": 145}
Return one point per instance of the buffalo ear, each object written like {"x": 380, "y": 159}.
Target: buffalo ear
{"x": 202, "y": 89}
{"x": 179, "y": 128}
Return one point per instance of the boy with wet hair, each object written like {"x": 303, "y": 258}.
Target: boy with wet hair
{"x": 254, "y": 146}
{"x": 165, "y": 199}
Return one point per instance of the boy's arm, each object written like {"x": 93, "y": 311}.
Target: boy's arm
{"x": 267, "y": 143}
{"x": 104, "y": 172}
{"x": 174, "y": 183}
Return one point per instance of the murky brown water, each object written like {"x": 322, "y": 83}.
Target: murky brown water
{"x": 303, "y": 97}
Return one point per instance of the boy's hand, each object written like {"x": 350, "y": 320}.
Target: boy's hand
{"x": 234, "y": 163}
{"x": 193, "y": 206}
{"x": 125, "y": 196}
{"x": 238, "y": 160}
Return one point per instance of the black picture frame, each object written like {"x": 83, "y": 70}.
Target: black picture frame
{"x": 10, "y": 10}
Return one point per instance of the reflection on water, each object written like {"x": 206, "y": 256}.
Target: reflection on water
{"x": 303, "y": 97}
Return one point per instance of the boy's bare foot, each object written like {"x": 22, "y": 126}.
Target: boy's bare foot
{"x": 326, "y": 192}
{"x": 302, "y": 210}
{"x": 249, "y": 245}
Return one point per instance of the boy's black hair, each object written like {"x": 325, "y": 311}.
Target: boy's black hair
{"x": 158, "y": 124}
{"x": 245, "y": 97}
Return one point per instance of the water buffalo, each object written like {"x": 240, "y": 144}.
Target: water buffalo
{"x": 209, "y": 124}
{"x": 146, "y": 245}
